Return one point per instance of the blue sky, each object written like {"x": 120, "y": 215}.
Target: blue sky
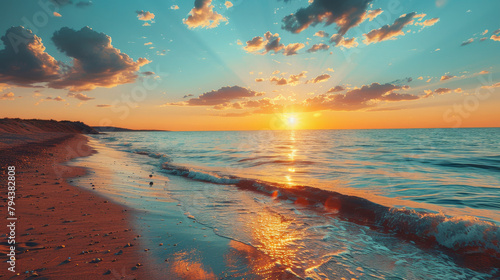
{"x": 197, "y": 60}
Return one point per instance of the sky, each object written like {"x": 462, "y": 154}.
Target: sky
{"x": 252, "y": 65}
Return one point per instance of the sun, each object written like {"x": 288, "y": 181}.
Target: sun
{"x": 291, "y": 120}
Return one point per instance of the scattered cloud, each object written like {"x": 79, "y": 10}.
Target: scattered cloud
{"x": 484, "y": 32}
{"x": 371, "y": 15}
{"x": 389, "y": 32}
{"x": 336, "y": 89}
{"x": 427, "y": 22}
{"x": 174, "y": 7}
{"x": 56, "y": 14}
{"x": 80, "y": 96}
{"x": 145, "y": 16}
{"x": 465, "y": 43}
{"x": 356, "y": 99}
{"x": 8, "y": 96}
{"x": 219, "y": 97}
{"x": 291, "y": 49}
{"x": 492, "y": 86}
{"x": 342, "y": 42}
{"x": 447, "y": 77}
{"x": 228, "y": 4}
{"x": 203, "y": 15}
{"x": 319, "y": 79}
{"x": 317, "y": 47}
{"x": 292, "y": 79}
{"x": 321, "y": 34}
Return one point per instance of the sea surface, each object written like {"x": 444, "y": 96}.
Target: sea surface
{"x": 315, "y": 204}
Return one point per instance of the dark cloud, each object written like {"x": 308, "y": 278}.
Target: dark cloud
{"x": 203, "y": 15}
{"x": 389, "y": 32}
{"x": 24, "y": 61}
{"x": 317, "y": 47}
{"x": 96, "y": 63}
{"x": 219, "y": 97}
{"x": 345, "y": 14}
{"x": 187, "y": 95}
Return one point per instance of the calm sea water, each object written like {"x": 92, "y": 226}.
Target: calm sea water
{"x": 316, "y": 200}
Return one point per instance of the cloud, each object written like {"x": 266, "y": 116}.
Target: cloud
{"x": 83, "y": 4}
{"x": 319, "y": 79}
{"x": 317, "y": 47}
{"x": 203, "y": 15}
{"x": 103, "y": 106}
{"x": 80, "y": 96}
{"x": 219, "y": 97}
{"x": 495, "y": 37}
{"x": 256, "y": 44}
{"x": 291, "y": 49}
{"x": 174, "y": 7}
{"x": 24, "y": 61}
{"x": 342, "y": 42}
{"x": 447, "y": 77}
{"x": 428, "y": 22}
{"x": 56, "y": 14}
{"x": 145, "y": 16}
{"x": 356, "y": 99}
{"x": 483, "y": 72}
{"x": 492, "y": 86}
{"x": 292, "y": 79}
{"x": 55, "y": 99}
{"x": 273, "y": 42}
{"x": 96, "y": 63}
{"x": 389, "y": 32}
{"x": 187, "y": 95}
{"x": 8, "y": 96}
{"x": 228, "y": 4}
{"x": 336, "y": 89}
{"x": 321, "y": 34}
{"x": 258, "y": 80}
{"x": 496, "y": 31}
{"x": 372, "y": 14}
{"x": 484, "y": 32}
{"x": 345, "y": 14}
{"x": 439, "y": 91}
{"x": 465, "y": 43}
{"x": 148, "y": 43}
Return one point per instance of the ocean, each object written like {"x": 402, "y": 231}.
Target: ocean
{"x": 310, "y": 204}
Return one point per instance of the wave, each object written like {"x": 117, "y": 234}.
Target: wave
{"x": 475, "y": 243}
{"x": 150, "y": 154}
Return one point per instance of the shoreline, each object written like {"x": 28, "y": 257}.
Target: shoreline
{"x": 65, "y": 231}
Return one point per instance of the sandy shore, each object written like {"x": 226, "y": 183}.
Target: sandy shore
{"x": 63, "y": 231}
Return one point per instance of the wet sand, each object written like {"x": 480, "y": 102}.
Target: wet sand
{"x": 64, "y": 231}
